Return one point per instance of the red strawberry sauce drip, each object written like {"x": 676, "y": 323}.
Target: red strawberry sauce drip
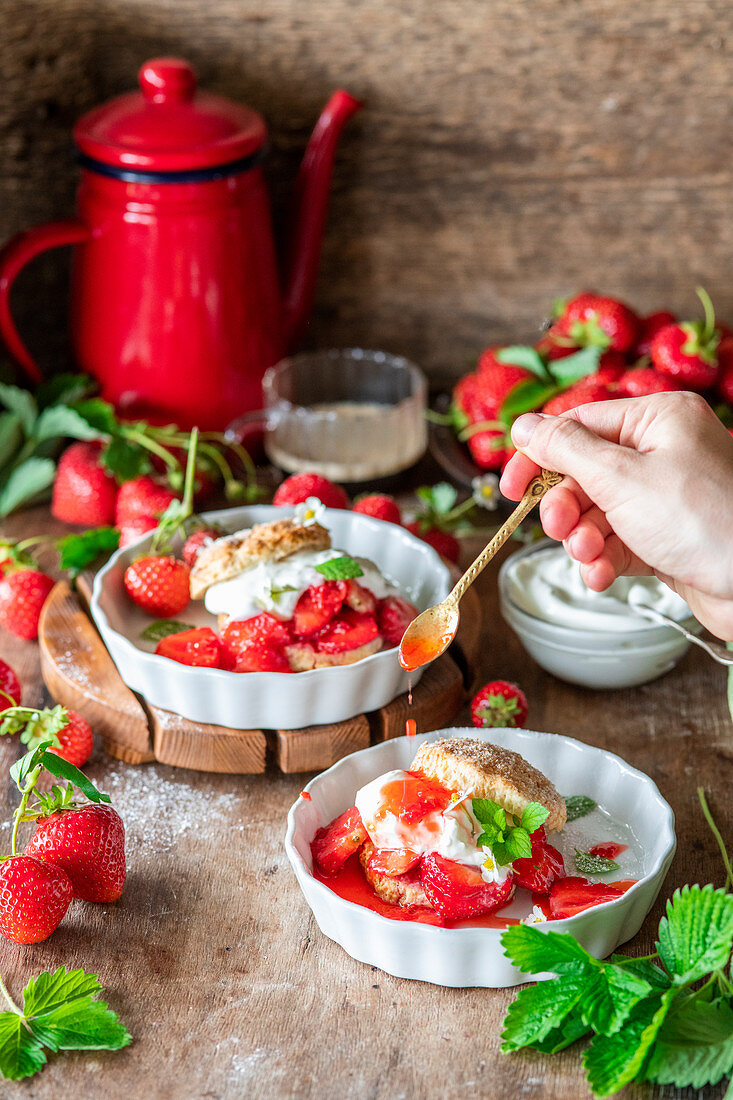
{"x": 410, "y": 727}
{"x": 413, "y": 797}
{"x": 306, "y": 796}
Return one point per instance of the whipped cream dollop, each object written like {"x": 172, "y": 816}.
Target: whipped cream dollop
{"x": 451, "y": 832}
{"x": 276, "y": 586}
{"x": 548, "y": 584}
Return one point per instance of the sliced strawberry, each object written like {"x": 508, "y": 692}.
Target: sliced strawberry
{"x": 392, "y": 861}
{"x": 538, "y": 871}
{"x": 333, "y": 844}
{"x": 393, "y": 617}
{"x": 240, "y": 633}
{"x": 609, "y": 850}
{"x": 258, "y": 656}
{"x": 573, "y": 894}
{"x": 317, "y": 606}
{"x": 458, "y": 891}
{"x": 359, "y": 598}
{"x": 349, "y": 630}
{"x": 199, "y": 647}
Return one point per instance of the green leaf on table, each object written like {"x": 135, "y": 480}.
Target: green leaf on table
{"x": 79, "y": 551}
{"x": 11, "y": 436}
{"x": 162, "y": 628}
{"x": 586, "y": 864}
{"x": 524, "y": 397}
{"x": 22, "y": 402}
{"x": 578, "y": 805}
{"x": 570, "y": 1030}
{"x": 340, "y": 569}
{"x": 694, "y": 1046}
{"x": 696, "y": 935}
{"x": 574, "y": 367}
{"x": 522, "y": 355}
{"x": 82, "y": 1024}
{"x": 125, "y": 459}
{"x": 49, "y": 991}
{"x": 98, "y": 414}
{"x": 612, "y": 1061}
{"x": 540, "y": 1009}
{"x": 26, "y": 482}
{"x": 21, "y": 1053}
{"x": 535, "y": 952}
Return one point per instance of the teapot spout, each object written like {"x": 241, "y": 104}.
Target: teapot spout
{"x": 311, "y": 203}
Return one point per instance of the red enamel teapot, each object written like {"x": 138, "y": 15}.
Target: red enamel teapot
{"x": 176, "y": 305}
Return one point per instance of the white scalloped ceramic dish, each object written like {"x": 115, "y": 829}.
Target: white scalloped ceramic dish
{"x": 269, "y": 699}
{"x": 473, "y": 956}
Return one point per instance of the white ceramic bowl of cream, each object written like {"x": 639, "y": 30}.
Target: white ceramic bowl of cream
{"x": 273, "y": 700}
{"x": 589, "y": 638}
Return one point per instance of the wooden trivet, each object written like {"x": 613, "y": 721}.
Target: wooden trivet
{"x": 79, "y": 673}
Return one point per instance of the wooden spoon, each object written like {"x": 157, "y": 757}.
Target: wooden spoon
{"x": 431, "y": 632}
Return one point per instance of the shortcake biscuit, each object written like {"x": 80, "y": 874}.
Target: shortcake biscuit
{"x": 404, "y": 890}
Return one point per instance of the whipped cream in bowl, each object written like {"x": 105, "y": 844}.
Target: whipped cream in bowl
{"x": 597, "y": 639}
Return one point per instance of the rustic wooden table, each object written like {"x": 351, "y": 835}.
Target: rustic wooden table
{"x": 215, "y": 964}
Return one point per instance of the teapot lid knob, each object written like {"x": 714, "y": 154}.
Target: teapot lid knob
{"x": 167, "y": 80}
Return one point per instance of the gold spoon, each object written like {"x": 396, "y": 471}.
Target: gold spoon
{"x": 433, "y": 630}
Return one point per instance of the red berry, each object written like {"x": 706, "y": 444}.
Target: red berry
{"x": 394, "y": 615}
{"x": 159, "y": 585}
{"x": 466, "y": 399}
{"x": 443, "y": 542}
{"x": 349, "y": 630}
{"x": 538, "y": 871}
{"x": 9, "y": 687}
{"x": 22, "y": 596}
{"x": 725, "y": 360}
{"x": 495, "y": 381}
{"x": 258, "y": 656}
{"x": 611, "y": 367}
{"x": 585, "y": 392}
{"x": 317, "y": 606}
{"x": 499, "y": 703}
{"x": 239, "y": 633}
{"x": 573, "y": 894}
{"x": 89, "y": 845}
{"x": 333, "y": 844}
{"x": 649, "y": 326}
{"x": 392, "y": 861}
{"x": 75, "y": 740}
{"x": 488, "y": 448}
{"x": 458, "y": 891}
{"x": 298, "y": 487}
{"x": 643, "y": 381}
{"x": 34, "y": 897}
{"x": 199, "y": 648}
{"x": 141, "y": 496}
{"x": 359, "y": 598}
{"x": 589, "y": 320}
{"x": 380, "y": 507}
{"x": 678, "y": 351}
{"x": 196, "y": 542}
{"x": 135, "y": 528}
{"x": 84, "y": 492}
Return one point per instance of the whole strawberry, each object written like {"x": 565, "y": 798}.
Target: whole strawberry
{"x": 196, "y": 541}
{"x": 499, "y": 703}
{"x": 141, "y": 496}
{"x": 9, "y": 687}
{"x": 159, "y": 584}
{"x": 688, "y": 352}
{"x": 84, "y": 492}
{"x": 135, "y": 528}
{"x": 643, "y": 381}
{"x": 447, "y": 545}
{"x": 22, "y": 596}
{"x": 379, "y": 506}
{"x": 649, "y": 326}
{"x": 585, "y": 392}
{"x": 88, "y": 844}
{"x": 34, "y": 896}
{"x": 69, "y": 733}
{"x": 297, "y": 488}
{"x": 489, "y": 448}
{"x": 604, "y": 322}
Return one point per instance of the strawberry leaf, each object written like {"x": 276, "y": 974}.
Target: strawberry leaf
{"x": 574, "y": 367}
{"x": 22, "y": 403}
{"x": 81, "y": 1024}
{"x": 11, "y": 436}
{"x": 524, "y": 356}
{"x": 59, "y": 421}
{"x": 694, "y": 1046}
{"x": 64, "y": 389}
{"x": 125, "y": 460}
{"x": 696, "y": 935}
{"x": 439, "y": 498}
{"x": 25, "y": 482}
{"x": 21, "y": 1053}
{"x": 62, "y": 769}
{"x": 541, "y": 1009}
{"x": 98, "y": 414}
{"x": 49, "y": 991}
{"x": 613, "y": 1061}
{"x": 525, "y": 396}
{"x": 535, "y": 952}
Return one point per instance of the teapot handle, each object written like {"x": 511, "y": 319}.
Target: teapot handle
{"x": 19, "y": 250}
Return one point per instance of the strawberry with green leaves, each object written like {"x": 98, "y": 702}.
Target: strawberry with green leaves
{"x": 439, "y": 516}
{"x": 499, "y": 703}
{"x": 591, "y": 320}
{"x": 688, "y": 352}
{"x": 66, "y": 731}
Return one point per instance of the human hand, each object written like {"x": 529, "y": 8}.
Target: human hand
{"x": 648, "y": 490}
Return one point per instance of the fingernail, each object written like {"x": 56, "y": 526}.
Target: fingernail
{"x": 523, "y": 428}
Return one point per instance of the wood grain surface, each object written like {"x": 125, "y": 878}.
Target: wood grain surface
{"x": 218, "y": 969}
{"x": 510, "y": 150}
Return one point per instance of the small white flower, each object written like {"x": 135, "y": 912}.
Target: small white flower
{"x": 486, "y": 491}
{"x": 310, "y": 511}
{"x": 535, "y": 917}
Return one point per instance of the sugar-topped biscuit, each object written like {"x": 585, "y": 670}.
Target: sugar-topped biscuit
{"x": 227, "y": 557}
{"x": 489, "y": 771}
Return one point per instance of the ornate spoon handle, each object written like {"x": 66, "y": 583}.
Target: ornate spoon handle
{"x": 532, "y": 496}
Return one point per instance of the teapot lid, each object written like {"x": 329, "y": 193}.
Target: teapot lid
{"x": 169, "y": 126}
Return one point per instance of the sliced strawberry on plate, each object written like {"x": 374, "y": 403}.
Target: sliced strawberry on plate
{"x": 609, "y": 850}
{"x": 333, "y": 844}
{"x": 259, "y": 656}
{"x": 538, "y": 871}
{"x": 349, "y": 630}
{"x": 458, "y": 891}
{"x": 317, "y": 606}
{"x": 199, "y": 648}
{"x": 394, "y": 616}
{"x": 240, "y": 633}
{"x": 359, "y": 598}
{"x": 392, "y": 861}
{"x": 573, "y": 894}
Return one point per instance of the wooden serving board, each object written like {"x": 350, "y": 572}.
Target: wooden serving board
{"x": 80, "y": 674}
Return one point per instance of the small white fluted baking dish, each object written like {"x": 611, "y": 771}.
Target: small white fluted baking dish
{"x": 254, "y": 700}
{"x": 474, "y": 956}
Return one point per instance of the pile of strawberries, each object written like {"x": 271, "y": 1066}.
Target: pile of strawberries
{"x": 597, "y": 348}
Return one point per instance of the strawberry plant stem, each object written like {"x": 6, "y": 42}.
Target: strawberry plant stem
{"x": 8, "y": 998}
{"x": 716, "y": 833}
{"x": 707, "y": 305}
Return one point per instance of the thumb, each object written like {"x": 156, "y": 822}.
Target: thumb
{"x": 563, "y": 444}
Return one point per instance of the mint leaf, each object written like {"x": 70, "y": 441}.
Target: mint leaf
{"x": 525, "y": 396}
{"x": 694, "y": 1046}
{"x": 574, "y": 367}
{"x": 540, "y": 1009}
{"x": 58, "y": 421}
{"x": 612, "y": 1061}
{"x": 81, "y": 1024}
{"x": 535, "y": 952}
{"x": 696, "y": 935}
{"x": 22, "y": 403}
{"x": 578, "y": 805}
{"x": 79, "y": 551}
{"x": 62, "y": 769}
{"x": 533, "y": 816}
{"x": 518, "y": 844}
{"x": 26, "y": 482}
{"x": 48, "y": 991}
{"x": 125, "y": 460}
{"x": 587, "y": 864}
{"x": 162, "y": 628}
{"x": 340, "y": 569}
{"x": 524, "y": 356}
{"x": 21, "y": 1054}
